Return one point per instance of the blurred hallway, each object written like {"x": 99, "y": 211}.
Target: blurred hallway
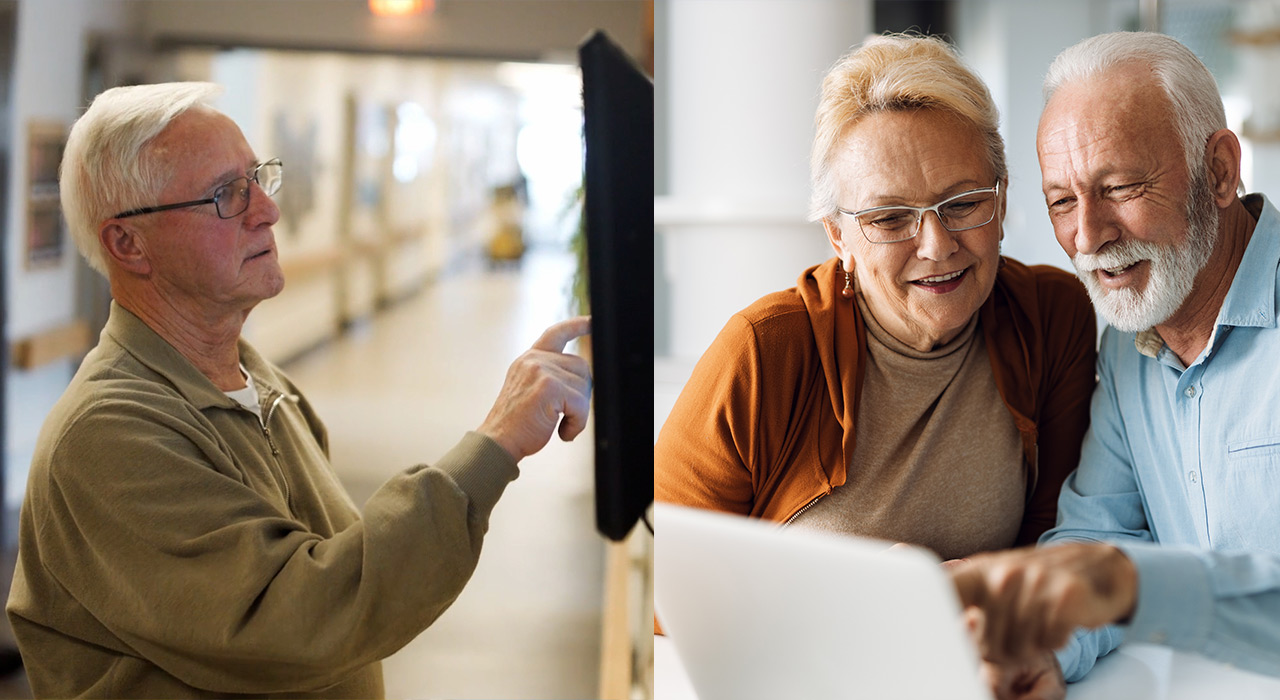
{"x": 401, "y": 134}
{"x": 401, "y": 390}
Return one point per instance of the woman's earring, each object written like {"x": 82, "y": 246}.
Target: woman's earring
{"x": 847, "y": 292}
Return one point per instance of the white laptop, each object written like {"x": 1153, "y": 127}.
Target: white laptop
{"x": 757, "y": 611}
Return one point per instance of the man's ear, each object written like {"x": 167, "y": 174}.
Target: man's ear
{"x": 122, "y": 244}
{"x": 1222, "y": 157}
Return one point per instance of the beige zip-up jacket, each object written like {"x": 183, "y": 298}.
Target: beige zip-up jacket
{"x": 171, "y": 545}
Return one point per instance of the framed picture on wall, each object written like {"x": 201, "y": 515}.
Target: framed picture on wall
{"x": 45, "y": 227}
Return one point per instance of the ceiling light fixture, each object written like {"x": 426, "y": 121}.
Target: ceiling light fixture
{"x": 400, "y": 8}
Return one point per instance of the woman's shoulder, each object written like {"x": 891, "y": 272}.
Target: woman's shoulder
{"x": 1052, "y": 288}
{"x": 796, "y": 306}
{"x": 777, "y": 323}
{"x": 1054, "y": 308}
{"x": 777, "y": 309}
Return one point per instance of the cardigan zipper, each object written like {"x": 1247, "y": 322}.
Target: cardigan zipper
{"x": 802, "y": 510}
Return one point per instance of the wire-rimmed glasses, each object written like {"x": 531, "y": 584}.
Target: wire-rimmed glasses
{"x": 897, "y": 222}
{"x": 231, "y": 198}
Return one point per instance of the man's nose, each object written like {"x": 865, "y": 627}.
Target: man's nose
{"x": 262, "y": 208}
{"x": 1095, "y": 226}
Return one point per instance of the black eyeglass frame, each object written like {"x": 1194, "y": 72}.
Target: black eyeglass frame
{"x": 222, "y": 189}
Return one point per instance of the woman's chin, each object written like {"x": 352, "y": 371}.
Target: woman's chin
{"x": 943, "y": 327}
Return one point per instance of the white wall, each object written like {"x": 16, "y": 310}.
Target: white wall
{"x": 742, "y": 88}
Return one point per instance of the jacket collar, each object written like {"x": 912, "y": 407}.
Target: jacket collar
{"x": 153, "y": 351}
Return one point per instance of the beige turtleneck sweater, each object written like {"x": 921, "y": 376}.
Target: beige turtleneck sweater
{"x": 938, "y": 461}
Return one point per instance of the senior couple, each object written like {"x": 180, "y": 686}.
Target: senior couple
{"x": 921, "y": 388}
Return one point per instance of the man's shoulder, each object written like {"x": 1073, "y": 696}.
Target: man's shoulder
{"x": 111, "y": 372}
{"x": 109, "y": 387}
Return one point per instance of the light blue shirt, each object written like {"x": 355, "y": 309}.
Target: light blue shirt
{"x": 1190, "y": 458}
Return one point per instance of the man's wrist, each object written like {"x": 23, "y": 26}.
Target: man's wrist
{"x": 497, "y": 437}
{"x": 1178, "y": 614}
{"x": 1125, "y": 581}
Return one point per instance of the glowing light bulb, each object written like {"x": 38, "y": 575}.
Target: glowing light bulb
{"x": 399, "y": 8}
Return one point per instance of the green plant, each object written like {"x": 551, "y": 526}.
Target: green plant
{"x": 579, "y": 290}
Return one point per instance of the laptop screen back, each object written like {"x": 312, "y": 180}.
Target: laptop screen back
{"x": 755, "y": 611}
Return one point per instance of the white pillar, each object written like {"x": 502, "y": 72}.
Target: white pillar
{"x": 743, "y": 83}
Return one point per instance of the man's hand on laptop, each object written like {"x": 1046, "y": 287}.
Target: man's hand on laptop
{"x": 1036, "y": 678}
{"x": 1023, "y": 604}
{"x": 1032, "y": 599}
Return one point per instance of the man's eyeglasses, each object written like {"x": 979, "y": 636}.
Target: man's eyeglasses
{"x": 232, "y": 198}
{"x": 894, "y": 223}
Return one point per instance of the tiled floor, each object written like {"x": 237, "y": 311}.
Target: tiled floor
{"x": 400, "y": 390}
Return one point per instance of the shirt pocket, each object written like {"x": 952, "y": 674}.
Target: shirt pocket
{"x": 1265, "y": 449}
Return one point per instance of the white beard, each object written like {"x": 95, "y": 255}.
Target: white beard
{"x": 1172, "y": 269}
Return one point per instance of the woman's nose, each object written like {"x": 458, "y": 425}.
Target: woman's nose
{"x": 933, "y": 240}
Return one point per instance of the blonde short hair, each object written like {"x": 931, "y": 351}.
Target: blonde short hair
{"x": 896, "y": 72}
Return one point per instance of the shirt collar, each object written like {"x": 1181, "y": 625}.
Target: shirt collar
{"x": 1251, "y": 299}
{"x": 1148, "y": 342}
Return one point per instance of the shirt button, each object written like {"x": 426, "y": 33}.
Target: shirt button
{"x": 1190, "y": 392}
{"x": 1192, "y": 476}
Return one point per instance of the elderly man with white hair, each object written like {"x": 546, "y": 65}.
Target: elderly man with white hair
{"x": 183, "y": 533}
{"x": 1180, "y": 472}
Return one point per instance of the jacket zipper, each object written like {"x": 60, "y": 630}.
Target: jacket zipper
{"x": 266, "y": 422}
{"x": 275, "y": 451}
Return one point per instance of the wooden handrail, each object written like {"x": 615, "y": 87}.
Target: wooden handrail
{"x": 68, "y": 340}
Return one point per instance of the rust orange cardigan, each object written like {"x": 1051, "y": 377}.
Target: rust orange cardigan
{"x": 765, "y": 424}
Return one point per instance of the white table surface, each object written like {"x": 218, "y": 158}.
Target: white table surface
{"x": 1132, "y": 672}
